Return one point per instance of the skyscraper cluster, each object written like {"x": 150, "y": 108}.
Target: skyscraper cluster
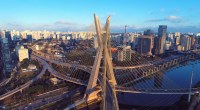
{"x": 6, "y": 46}
{"x": 150, "y": 43}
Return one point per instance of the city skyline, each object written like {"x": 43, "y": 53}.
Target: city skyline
{"x": 152, "y": 69}
{"x": 60, "y": 15}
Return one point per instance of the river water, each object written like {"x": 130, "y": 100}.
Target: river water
{"x": 177, "y": 77}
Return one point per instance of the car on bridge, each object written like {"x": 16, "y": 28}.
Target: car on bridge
{"x": 2, "y": 107}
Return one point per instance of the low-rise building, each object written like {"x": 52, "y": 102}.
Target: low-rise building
{"x": 32, "y": 67}
{"x": 180, "y": 48}
{"x": 38, "y": 47}
{"x": 55, "y": 81}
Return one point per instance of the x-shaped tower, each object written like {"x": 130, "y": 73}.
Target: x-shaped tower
{"x": 107, "y": 79}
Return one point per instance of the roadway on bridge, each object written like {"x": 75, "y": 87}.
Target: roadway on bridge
{"x": 53, "y": 58}
{"x": 121, "y": 88}
{"x": 59, "y": 75}
{"x": 109, "y": 90}
{"x": 49, "y": 100}
{"x": 125, "y": 89}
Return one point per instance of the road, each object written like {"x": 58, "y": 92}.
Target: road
{"x": 109, "y": 91}
{"x": 52, "y": 59}
{"x": 5, "y": 81}
{"x": 59, "y": 75}
{"x": 42, "y": 102}
{"x": 20, "y": 88}
{"x": 157, "y": 91}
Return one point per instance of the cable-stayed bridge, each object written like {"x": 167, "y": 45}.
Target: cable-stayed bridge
{"x": 117, "y": 78}
{"x": 128, "y": 75}
{"x": 109, "y": 79}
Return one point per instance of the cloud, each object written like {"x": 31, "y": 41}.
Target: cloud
{"x": 130, "y": 28}
{"x": 163, "y": 11}
{"x": 180, "y": 28}
{"x": 67, "y": 25}
{"x": 12, "y": 26}
{"x": 64, "y": 22}
{"x": 59, "y": 25}
{"x": 172, "y": 19}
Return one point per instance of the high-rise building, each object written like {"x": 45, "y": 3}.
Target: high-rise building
{"x": 177, "y": 40}
{"x": 177, "y": 34}
{"x": 8, "y": 36}
{"x": 148, "y": 32}
{"x": 124, "y": 53}
{"x": 6, "y": 51}
{"x": 161, "y": 39}
{"x": 186, "y": 42}
{"x": 9, "y": 39}
{"x": 6, "y": 55}
{"x": 145, "y": 45}
{"x": 121, "y": 39}
{"x": 23, "y": 53}
{"x": 1, "y": 59}
{"x": 17, "y": 47}
{"x": 29, "y": 38}
{"x": 168, "y": 45}
{"x": 162, "y": 31}
{"x": 192, "y": 40}
{"x": 134, "y": 40}
{"x": 170, "y": 37}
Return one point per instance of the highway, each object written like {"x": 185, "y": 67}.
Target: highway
{"x": 129, "y": 89}
{"x": 109, "y": 90}
{"x": 110, "y": 104}
{"x": 7, "y": 80}
{"x": 59, "y": 75}
{"x": 2, "y": 108}
{"x": 49, "y": 100}
{"x": 52, "y": 92}
{"x": 20, "y": 88}
{"x": 3, "y": 82}
{"x": 52, "y": 58}
{"x": 118, "y": 88}
{"x": 157, "y": 91}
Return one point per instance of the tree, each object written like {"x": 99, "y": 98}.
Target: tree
{"x": 36, "y": 63}
{"x": 24, "y": 63}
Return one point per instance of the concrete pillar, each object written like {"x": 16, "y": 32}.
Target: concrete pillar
{"x": 131, "y": 70}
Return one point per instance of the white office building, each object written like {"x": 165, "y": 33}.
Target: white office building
{"x": 23, "y": 53}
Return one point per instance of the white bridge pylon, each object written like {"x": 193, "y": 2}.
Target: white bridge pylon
{"x": 108, "y": 77}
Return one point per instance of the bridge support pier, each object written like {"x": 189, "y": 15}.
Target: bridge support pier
{"x": 93, "y": 95}
{"x": 21, "y": 91}
{"x": 189, "y": 98}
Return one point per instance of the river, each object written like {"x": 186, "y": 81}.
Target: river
{"x": 177, "y": 77}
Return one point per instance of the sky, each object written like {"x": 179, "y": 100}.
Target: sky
{"x": 77, "y": 15}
